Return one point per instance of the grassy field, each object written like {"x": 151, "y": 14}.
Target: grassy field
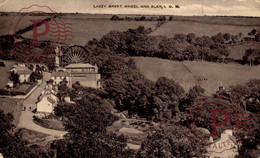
{"x": 187, "y": 72}
{"x": 31, "y": 136}
{"x": 11, "y": 106}
{"x": 200, "y": 29}
{"x": 238, "y": 51}
{"x": 49, "y": 123}
{"x": 237, "y": 21}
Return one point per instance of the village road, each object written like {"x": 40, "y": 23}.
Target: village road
{"x": 26, "y": 117}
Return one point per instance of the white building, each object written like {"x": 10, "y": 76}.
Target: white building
{"x": 225, "y": 147}
{"x": 85, "y": 73}
{"x": 47, "y": 101}
{"x": 24, "y": 75}
{"x": 59, "y": 76}
{"x": 23, "y": 72}
{"x": 46, "y": 105}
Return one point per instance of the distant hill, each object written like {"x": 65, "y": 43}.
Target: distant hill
{"x": 88, "y": 26}
{"x": 187, "y": 73}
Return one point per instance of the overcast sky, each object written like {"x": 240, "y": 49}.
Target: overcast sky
{"x": 187, "y": 7}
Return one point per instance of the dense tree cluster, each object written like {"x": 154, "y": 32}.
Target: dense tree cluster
{"x": 136, "y": 42}
{"x": 255, "y": 34}
{"x": 11, "y": 144}
{"x": 170, "y": 141}
{"x": 247, "y": 95}
{"x": 86, "y": 122}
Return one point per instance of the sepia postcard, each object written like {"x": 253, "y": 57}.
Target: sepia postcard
{"x": 130, "y": 79}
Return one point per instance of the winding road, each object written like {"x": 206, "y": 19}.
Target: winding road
{"x": 26, "y": 117}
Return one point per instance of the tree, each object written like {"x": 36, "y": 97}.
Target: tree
{"x": 190, "y": 98}
{"x": 180, "y": 37}
{"x": 115, "y": 17}
{"x": 170, "y": 18}
{"x": 219, "y": 38}
{"x": 86, "y": 122}
{"x": 168, "y": 48}
{"x": 162, "y": 18}
{"x": 252, "y": 56}
{"x": 253, "y": 32}
{"x": 143, "y": 18}
{"x": 36, "y": 75}
{"x": 14, "y": 77}
{"x": 170, "y": 141}
{"x": 240, "y": 34}
{"x": 164, "y": 103}
{"x": 227, "y": 36}
{"x": 191, "y": 37}
{"x": 146, "y": 46}
{"x": 11, "y": 144}
{"x": 64, "y": 91}
{"x": 192, "y": 52}
{"x": 31, "y": 67}
{"x": 252, "y": 139}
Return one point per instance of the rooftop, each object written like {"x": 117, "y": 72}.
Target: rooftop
{"x": 79, "y": 65}
{"x": 22, "y": 69}
{"x": 60, "y": 74}
{"x": 21, "y": 72}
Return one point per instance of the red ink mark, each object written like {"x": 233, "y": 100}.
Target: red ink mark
{"x": 53, "y": 31}
{"x": 214, "y": 120}
{"x": 233, "y": 119}
{"x": 35, "y": 32}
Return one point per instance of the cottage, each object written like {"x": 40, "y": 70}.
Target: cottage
{"x": 47, "y": 101}
{"x": 59, "y": 76}
{"x": 23, "y": 72}
{"x": 24, "y": 75}
{"x": 46, "y": 105}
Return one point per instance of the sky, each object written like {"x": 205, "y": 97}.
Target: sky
{"x": 187, "y": 7}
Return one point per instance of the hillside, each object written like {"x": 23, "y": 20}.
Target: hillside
{"x": 200, "y": 29}
{"x": 187, "y": 72}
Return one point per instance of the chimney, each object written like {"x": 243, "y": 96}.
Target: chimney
{"x": 96, "y": 68}
{"x": 211, "y": 139}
